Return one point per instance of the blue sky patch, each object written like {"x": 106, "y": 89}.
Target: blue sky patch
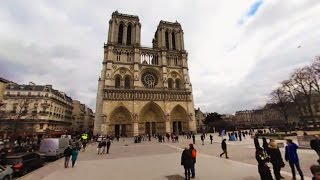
{"x": 254, "y": 8}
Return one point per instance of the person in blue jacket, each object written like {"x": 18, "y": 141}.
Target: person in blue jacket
{"x": 75, "y": 153}
{"x": 292, "y": 156}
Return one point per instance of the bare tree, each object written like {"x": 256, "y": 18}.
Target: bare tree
{"x": 315, "y": 74}
{"x": 304, "y": 83}
{"x": 282, "y": 100}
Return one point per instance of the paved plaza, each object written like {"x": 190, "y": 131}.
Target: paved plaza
{"x": 161, "y": 161}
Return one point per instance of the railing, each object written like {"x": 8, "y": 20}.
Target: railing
{"x": 150, "y": 56}
{"x": 152, "y": 94}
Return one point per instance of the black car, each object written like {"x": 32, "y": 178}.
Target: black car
{"x": 24, "y": 162}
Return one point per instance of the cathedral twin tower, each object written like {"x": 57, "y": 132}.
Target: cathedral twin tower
{"x": 144, "y": 90}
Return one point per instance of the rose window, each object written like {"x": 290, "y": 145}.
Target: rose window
{"x": 149, "y": 80}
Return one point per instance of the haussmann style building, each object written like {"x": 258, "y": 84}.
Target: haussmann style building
{"x": 144, "y": 90}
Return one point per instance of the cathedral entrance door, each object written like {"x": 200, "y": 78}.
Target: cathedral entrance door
{"x": 179, "y": 127}
{"x": 117, "y": 130}
{"x": 174, "y": 126}
{"x": 123, "y": 130}
{"x": 147, "y": 130}
{"x": 154, "y": 128}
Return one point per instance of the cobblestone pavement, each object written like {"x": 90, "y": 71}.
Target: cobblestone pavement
{"x": 153, "y": 160}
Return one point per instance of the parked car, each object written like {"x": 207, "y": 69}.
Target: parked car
{"x": 53, "y": 147}
{"x": 14, "y": 150}
{"x": 24, "y": 162}
{"x": 5, "y": 173}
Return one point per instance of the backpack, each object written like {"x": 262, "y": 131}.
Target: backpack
{"x": 194, "y": 153}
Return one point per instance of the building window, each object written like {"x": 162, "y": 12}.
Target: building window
{"x": 128, "y": 57}
{"x": 118, "y": 56}
{"x": 173, "y": 41}
{"x": 18, "y": 93}
{"x": 39, "y": 93}
{"x": 41, "y": 126}
{"x": 29, "y": 93}
{"x": 167, "y": 39}
{"x": 170, "y": 83}
{"x": 117, "y": 82}
{"x": 120, "y": 34}
{"x": 178, "y": 83}
{"x": 127, "y": 82}
{"x": 129, "y": 35}
{"x": 46, "y": 95}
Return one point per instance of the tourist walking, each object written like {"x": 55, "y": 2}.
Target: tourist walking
{"x": 99, "y": 147}
{"x": 194, "y": 160}
{"x": 240, "y": 135}
{"x": 211, "y": 138}
{"x": 74, "y": 154}
{"x": 104, "y": 144}
{"x": 202, "y": 139}
{"x": 292, "y": 156}
{"x": 224, "y": 148}
{"x": 193, "y": 139}
{"x": 263, "y": 168}
{"x": 315, "y": 170}
{"x": 186, "y": 162}
{"x": 67, "y": 153}
{"x": 315, "y": 145}
{"x": 276, "y": 160}
{"x": 108, "y": 145}
{"x": 256, "y": 143}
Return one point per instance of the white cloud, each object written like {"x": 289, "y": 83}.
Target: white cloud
{"x": 60, "y": 43}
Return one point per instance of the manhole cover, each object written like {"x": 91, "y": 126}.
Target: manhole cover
{"x": 175, "y": 177}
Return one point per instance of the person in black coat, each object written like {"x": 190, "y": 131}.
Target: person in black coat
{"x": 194, "y": 139}
{"x": 263, "y": 168}
{"x": 67, "y": 153}
{"x": 276, "y": 160}
{"x": 224, "y": 148}
{"x": 211, "y": 138}
{"x": 108, "y": 145}
{"x": 265, "y": 145}
{"x": 256, "y": 143}
{"x": 315, "y": 145}
{"x": 186, "y": 162}
{"x": 202, "y": 139}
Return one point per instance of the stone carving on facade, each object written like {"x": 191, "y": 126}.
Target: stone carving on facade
{"x": 123, "y": 71}
{"x": 114, "y": 66}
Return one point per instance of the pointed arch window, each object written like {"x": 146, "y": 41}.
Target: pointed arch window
{"x": 129, "y": 35}
{"x": 167, "y": 39}
{"x": 170, "y": 83}
{"x": 120, "y": 34}
{"x": 127, "y": 82}
{"x": 178, "y": 84}
{"x": 117, "y": 82}
{"x": 173, "y": 41}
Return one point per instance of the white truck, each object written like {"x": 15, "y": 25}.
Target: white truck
{"x": 53, "y": 147}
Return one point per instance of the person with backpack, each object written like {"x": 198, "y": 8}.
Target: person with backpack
{"x": 186, "y": 162}
{"x": 67, "y": 153}
{"x": 224, "y": 148}
{"x": 211, "y": 138}
{"x": 194, "y": 159}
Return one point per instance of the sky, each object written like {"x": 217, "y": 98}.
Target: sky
{"x": 238, "y": 51}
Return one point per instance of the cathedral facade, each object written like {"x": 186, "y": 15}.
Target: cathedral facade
{"x": 144, "y": 90}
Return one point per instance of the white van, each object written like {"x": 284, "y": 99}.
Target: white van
{"x": 53, "y": 147}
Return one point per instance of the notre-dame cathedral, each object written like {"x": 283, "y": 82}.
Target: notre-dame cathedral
{"x": 144, "y": 90}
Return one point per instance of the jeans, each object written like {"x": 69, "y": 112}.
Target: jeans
{"x": 66, "y": 161}
{"x": 276, "y": 171}
{"x": 73, "y": 162}
{"x": 187, "y": 172}
{"x": 193, "y": 173}
{"x": 224, "y": 152}
{"x": 292, "y": 164}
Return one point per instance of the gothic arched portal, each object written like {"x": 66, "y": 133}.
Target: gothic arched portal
{"x": 179, "y": 120}
{"x": 120, "y": 122}
{"x": 152, "y": 119}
